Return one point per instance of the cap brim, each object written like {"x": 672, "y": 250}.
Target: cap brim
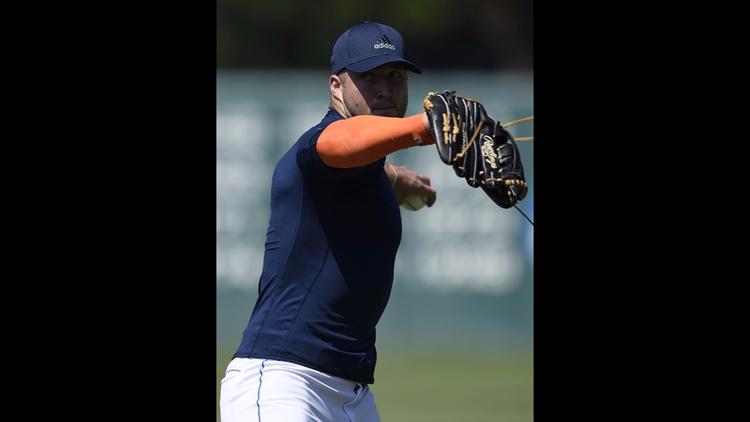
{"x": 373, "y": 62}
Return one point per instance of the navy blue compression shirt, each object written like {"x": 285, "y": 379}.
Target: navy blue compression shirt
{"x": 328, "y": 266}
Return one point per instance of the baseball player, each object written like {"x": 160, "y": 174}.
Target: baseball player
{"x": 308, "y": 352}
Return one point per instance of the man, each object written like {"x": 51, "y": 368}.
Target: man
{"x": 308, "y": 352}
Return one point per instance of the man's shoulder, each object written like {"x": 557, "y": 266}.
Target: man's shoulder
{"x": 330, "y": 117}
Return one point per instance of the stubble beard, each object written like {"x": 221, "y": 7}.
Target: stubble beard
{"x": 355, "y": 108}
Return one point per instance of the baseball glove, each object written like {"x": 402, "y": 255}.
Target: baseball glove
{"x": 477, "y": 146}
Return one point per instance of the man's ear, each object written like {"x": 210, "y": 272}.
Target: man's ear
{"x": 335, "y": 82}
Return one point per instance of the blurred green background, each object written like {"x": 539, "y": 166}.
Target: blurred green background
{"x": 456, "y": 340}
{"x": 439, "y": 34}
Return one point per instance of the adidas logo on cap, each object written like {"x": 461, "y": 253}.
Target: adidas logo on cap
{"x": 384, "y": 42}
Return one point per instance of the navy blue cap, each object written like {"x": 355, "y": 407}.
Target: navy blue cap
{"x": 368, "y": 45}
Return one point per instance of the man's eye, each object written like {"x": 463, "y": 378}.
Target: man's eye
{"x": 395, "y": 75}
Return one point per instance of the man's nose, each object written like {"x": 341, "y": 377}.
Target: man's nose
{"x": 383, "y": 88}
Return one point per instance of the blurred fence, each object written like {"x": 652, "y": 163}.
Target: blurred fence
{"x": 465, "y": 266}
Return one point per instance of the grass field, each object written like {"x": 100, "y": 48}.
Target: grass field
{"x": 446, "y": 387}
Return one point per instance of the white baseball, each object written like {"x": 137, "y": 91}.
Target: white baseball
{"x": 414, "y": 202}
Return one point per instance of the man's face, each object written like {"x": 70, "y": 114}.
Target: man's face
{"x": 382, "y": 91}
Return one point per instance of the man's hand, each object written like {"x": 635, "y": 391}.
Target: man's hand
{"x": 406, "y": 183}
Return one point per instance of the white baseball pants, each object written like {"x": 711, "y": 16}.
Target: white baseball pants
{"x": 264, "y": 390}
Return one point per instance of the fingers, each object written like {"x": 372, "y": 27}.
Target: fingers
{"x": 431, "y": 198}
{"x": 423, "y": 186}
{"x": 424, "y": 179}
{"x": 411, "y": 183}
